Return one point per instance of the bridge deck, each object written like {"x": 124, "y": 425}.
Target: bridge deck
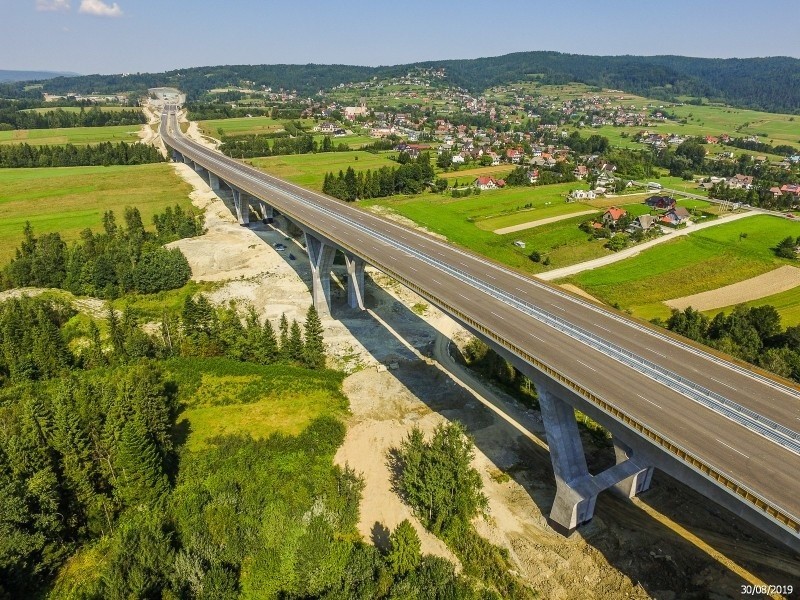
{"x": 732, "y": 449}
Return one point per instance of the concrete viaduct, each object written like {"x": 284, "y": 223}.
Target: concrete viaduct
{"x": 721, "y": 427}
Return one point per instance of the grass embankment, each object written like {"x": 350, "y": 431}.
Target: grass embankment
{"x": 70, "y": 199}
{"x": 80, "y": 136}
{"x": 247, "y": 126}
{"x": 223, "y": 397}
{"x": 701, "y": 261}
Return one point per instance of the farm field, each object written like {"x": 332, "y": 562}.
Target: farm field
{"x": 456, "y": 218}
{"x": 309, "y": 169}
{"x": 701, "y": 261}
{"x": 223, "y": 397}
{"x": 786, "y": 303}
{"x": 69, "y": 199}
{"x": 77, "y": 109}
{"x": 80, "y": 136}
{"x": 246, "y": 126}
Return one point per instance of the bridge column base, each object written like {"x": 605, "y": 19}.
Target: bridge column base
{"x": 242, "y": 203}
{"x": 576, "y": 488}
{"x": 321, "y": 257}
{"x": 213, "y": 182}
{"x": 355, "y": 281}
{"x": 636, "y": 483}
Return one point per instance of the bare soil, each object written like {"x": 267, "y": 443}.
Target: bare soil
{"x": 532, "y": 224}
{"x": 778, "y": 280}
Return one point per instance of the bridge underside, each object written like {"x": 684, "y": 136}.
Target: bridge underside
{"x": 576, "y": 488}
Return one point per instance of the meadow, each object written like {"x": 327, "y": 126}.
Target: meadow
{"x": 223, "y": 397}
{"x": 246, "y": 126}
{"x": 786, "y": 303}
{"x": 70, "y": 199}
{"x": 309, "y": 169}
{"x": 77, "y": 109}
{"x": 80, "y": 136}
{"x": 701, "y": 261}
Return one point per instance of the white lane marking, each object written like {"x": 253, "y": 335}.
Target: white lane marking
{"x": 658, "y": 353}
{"x": 489, "y": 276}
{"x": 559, "y": 307}
{"x": 603, "y": 328}
{"x": 732, "y": 448}
{"x": 585, "y": 365}
{"x": 463, "y": 296}
{"x": 392, "y": 257}
{"x": 412, "y": 268}
{"x": 436, "y": 282}
{"x": 498, "y": 316}
{"x": 533, "y": 335}
{"x": 648, "y": 400}
{"x": 519, "y": 289}
{"x": 723, "y": 383}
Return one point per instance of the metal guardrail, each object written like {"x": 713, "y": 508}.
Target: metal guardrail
{"x": 785, "y": 519}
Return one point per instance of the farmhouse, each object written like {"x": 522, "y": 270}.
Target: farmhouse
{"x": 580, "y": 171}
{"x": 613, "y": 215}
{"x": 488, "y": 183}
{"x": 643, "y": 222}
{"x": 582, "y": 195}
{"x": 740, "y": 182}
{"x": 675, "y": 216}
{"x": 660, "y": 202}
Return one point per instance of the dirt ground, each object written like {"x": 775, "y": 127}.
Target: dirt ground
{"x": 667, "y": 544}
{"x": 532, "y": 224}
{"x": 778, "y": 280}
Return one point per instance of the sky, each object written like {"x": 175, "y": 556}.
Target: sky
{"x": 129, "y": 36}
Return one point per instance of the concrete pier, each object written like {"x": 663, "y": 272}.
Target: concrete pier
{"x": 242, "y": 203}
{"x": 355, "y": 280}
{"x": 321, "y": 255}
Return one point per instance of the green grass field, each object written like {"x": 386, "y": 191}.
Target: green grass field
{"x": 77, "y": 109}
{"x": 223, "y": 397}
{"x": 706, "y": 260}
{"x": 787, "y": 304}
{"x": 309, "y": 169}
{"x": 246, "y": 126}
{"x": 68, "y": 200}
{"x": 80, "y": 136}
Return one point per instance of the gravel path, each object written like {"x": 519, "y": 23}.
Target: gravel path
{"x": 532, "y": 224}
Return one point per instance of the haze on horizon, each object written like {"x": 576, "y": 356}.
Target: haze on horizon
{"x": 102, "y": 36}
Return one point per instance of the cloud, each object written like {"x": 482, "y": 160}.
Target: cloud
{"x": 99, "y": 8}
{"x": 52, "y": 5}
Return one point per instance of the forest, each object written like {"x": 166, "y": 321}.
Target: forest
{"x": 121, "y": 259}
{"x": 17, "y": 156}
{"x": 770, "y": 84}
{"x": 13, "y": 118}
{"x": 411, "y": 177}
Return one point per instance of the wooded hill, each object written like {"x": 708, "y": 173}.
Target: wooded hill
{"x": 771, "y": 84}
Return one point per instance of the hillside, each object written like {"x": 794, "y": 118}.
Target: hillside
{"x": 771, "y": 84}
{"x": 31, "y": 75}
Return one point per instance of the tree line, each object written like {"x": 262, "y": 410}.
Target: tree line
{"x": 121, "y": 259}
{"x": 409, "y": 178}
{"x": 252, "y": 146}
{"x": 753, "y": 334}
{"x": 11, "y": 118}
{"x": 104, "y": 154}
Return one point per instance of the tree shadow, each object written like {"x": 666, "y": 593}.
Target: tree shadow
{"x": 379, "y": 535}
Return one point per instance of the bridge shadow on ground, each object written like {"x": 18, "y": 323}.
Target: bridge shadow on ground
{"x": 670, "y": 540}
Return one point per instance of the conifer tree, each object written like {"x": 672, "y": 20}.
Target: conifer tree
{"x": 314, "y": 347}
{"x": 405, "y": 549}
{"x": 295, "y": 342}
{"x": 283, "y": 327}
{"x": 268, "y": 345}
{"x": 141, "y": 478}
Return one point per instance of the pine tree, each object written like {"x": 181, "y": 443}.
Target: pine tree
{"x": 94, "y": 356}
{"x": 283, "y": 327}
{"x": 268, "y": 346}
{"x": 295, "y": 350}
{"x": 115, "y": 332}
{"x": 141, "y": 478}
{"x": 405, "y": 549}
{"x": 314, "y": 348}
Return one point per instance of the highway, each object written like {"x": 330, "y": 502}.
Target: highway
{"x": 579, "y": 340}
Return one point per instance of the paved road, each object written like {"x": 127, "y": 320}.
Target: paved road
{"x": 732, "y": 449}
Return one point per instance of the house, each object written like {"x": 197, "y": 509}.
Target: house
{"x": 328, "y": 127}
{"x": 582, "y": 195}
{"x": 457, "y": 159}
{"x": 613, "y": 215}
{"x": 533, "y": 175}
{"x": 514, "y": 155}
{"x": 351, "y": 112}
{"x": 660, "y": 202}
{"x": 643, "y": 222}
{"x": 580, "y": 171}
{"x": 488, "y": 183}
{"x": 740, "y": 182}
{"x": 495, "y": 158}
{"x": 675, "y": 216}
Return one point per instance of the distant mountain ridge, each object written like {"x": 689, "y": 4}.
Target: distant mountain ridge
{"x": 13, "y": 76}
{"x": 771, "y": 84}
